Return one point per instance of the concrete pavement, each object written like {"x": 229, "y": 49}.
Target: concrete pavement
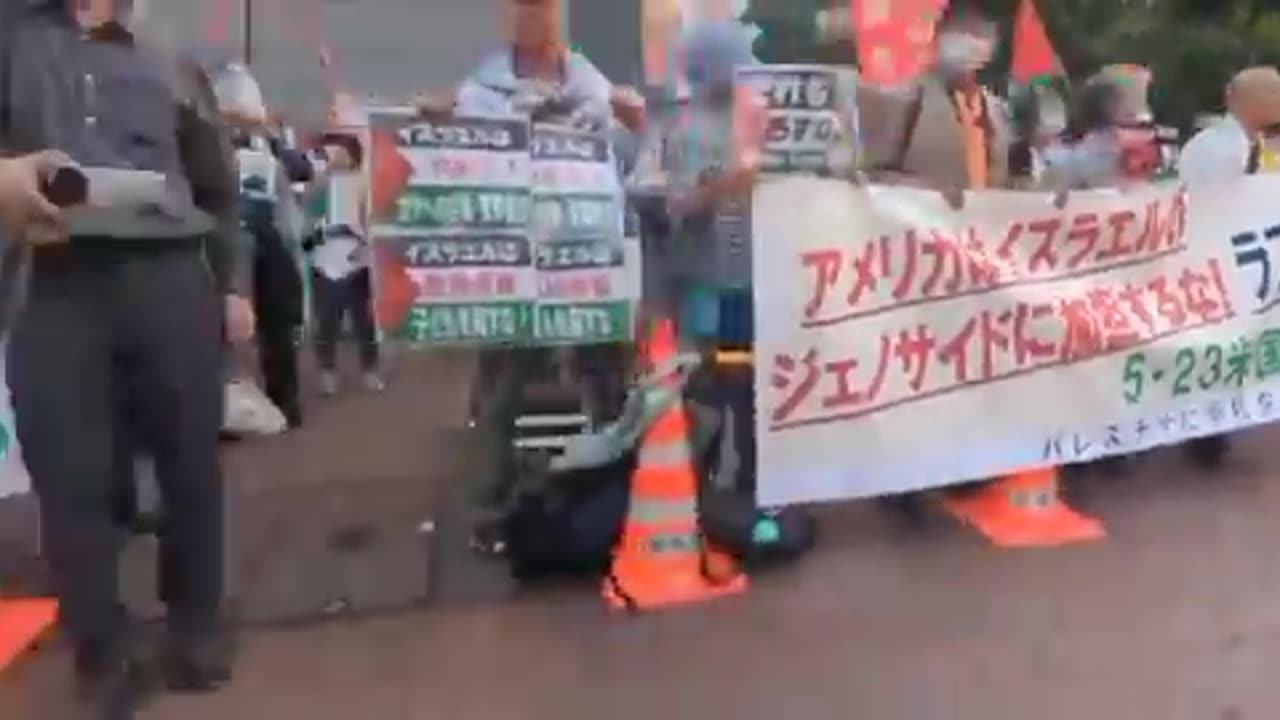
{"x": 1176, "y": 615}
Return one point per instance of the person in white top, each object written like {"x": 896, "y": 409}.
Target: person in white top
{"x": 341, "y": 278}
{"x": 1228, "y": 149}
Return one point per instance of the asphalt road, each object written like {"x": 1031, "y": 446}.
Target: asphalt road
{"x": 1175, "y": 616}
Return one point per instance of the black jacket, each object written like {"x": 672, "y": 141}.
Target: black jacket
{"x": 114, "y": 100}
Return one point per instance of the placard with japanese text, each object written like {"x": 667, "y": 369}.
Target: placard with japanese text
{"x": 904, "y": 344}
{"x": 489, "y": 232}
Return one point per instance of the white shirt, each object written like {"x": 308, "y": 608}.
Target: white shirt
{"x": 494, "y": 89}
{"x": 344, "y": 250}
{"x": 1217, "y": 154}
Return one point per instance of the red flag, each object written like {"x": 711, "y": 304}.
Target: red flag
{"x": 895, "y": 38}
{"x": 1034, "y": 58}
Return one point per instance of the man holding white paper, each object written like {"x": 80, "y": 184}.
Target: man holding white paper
{"x": 22, "y": 205}
{"x": 134, "y": 302}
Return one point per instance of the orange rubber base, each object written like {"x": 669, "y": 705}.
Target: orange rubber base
{"x": 989, "y": 512}
{"x": 22, "y": 622}
{"x": 644, "y": 589}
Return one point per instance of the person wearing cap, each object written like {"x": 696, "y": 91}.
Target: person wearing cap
{"x": 341, "y": 276}
{"x": 138, "y": 299}
{"x": 1228, "y": 149}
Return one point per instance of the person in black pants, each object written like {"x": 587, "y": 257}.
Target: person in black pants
{"x": 268, "y": 169}
{"x": 131, "y": 301}
{"x": 277, "y": 301}
{"x": 349, "y": 296}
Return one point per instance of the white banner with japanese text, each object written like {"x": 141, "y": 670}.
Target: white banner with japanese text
{"x": 903, "y": 344}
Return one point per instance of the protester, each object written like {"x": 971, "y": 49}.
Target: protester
{"x": 539, "y": 76}
{"x": 269, "y": 169}
{"x": 1230, "y": 146}
{"x": 950, "y": 133}
{"x": 1111, "y": 137}
{"x": 710, "y": 176}
{"x": 1110, "y": 142}
{"x": 1040, "y": 119}
{"x": 135, "y": 298}
{"x": 341, "y": 280}
{"x": 1228, "y": 149}
{"x": 709, "y": 151}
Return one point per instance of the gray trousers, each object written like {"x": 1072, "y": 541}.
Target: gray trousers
{"x": 104, "y": 319}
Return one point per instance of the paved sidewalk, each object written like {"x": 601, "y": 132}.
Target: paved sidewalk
{"x": 1176, "y": 616}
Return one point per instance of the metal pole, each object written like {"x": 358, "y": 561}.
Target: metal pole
{"x": 246, "y": 10}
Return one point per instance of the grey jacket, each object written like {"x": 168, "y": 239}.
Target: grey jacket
{"x": 117, "y": 101}
{"x": 916, "y": 135}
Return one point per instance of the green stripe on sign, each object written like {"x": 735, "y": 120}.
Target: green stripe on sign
{"x": 583, "y": 322}
{"x": 463, "y": 207}
{"x": 468, "y": 323}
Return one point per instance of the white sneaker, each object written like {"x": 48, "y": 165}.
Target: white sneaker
{"x": 328, "y": 384}
{"x": 373, "y": 383}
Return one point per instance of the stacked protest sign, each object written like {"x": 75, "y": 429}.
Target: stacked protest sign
{"x": 489, "y": 232}
{"x": 586, "y": 288}
{"x": 451, "y": 241}
{"x": 903, "y": 344}
{"x": 812, "y": 117}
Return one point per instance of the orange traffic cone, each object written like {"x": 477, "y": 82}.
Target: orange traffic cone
{"x": 1023, "y": 510}
{"x": 22, "y": 622}
{"x": 661, "y": 559}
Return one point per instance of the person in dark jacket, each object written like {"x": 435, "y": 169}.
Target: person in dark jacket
{"x": 139, "y": 296}
{"x": 267, "y": 170}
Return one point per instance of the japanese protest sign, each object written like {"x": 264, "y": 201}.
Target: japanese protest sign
{"x": 585, "y": 291}
{"x": 903, "y": 344}
{"x": 812, "y": 116}
{"x": 489, "y": 232}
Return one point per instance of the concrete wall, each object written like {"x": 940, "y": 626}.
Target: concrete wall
{"x": 391, "y": 48}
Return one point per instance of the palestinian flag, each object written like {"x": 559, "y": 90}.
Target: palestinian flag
{"x": 1035, "y": 62}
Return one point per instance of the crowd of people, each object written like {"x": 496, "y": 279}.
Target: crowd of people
{"x": 119, "y": 320}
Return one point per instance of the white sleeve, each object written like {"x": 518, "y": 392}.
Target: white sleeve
{"x": 476, "y": 99}
{"x": 1208, "y": 160}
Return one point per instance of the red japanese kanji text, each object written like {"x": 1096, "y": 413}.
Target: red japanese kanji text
{"x": 921, "y": 361}
{"x": 922, "y": 265}
{"x": 464, "y": 285}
